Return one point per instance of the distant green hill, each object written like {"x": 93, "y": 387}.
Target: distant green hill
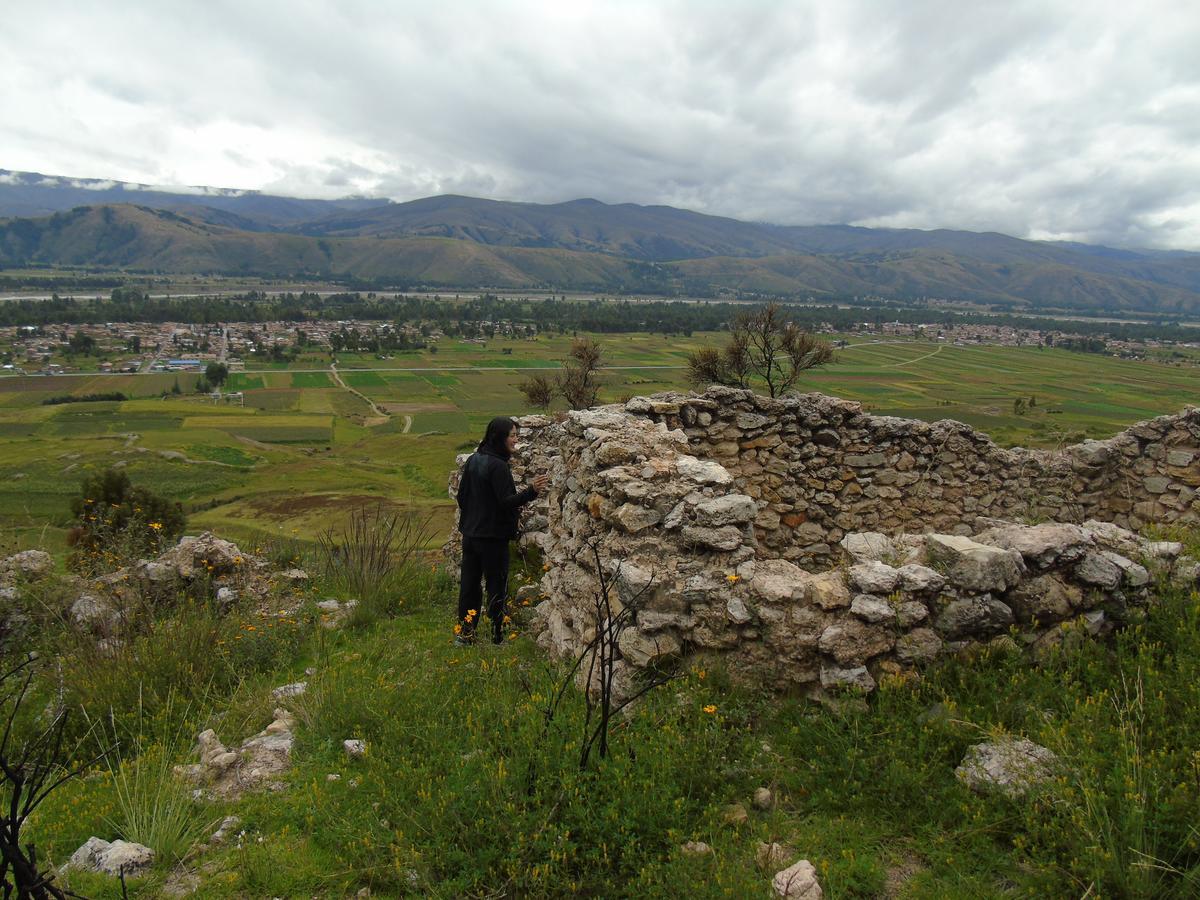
{"x": 587, "y": 245}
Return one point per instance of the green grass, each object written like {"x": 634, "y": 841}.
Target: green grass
{"x": 311, "y": 380}
{"x": 288, "y": 413}
{"x": 444, "y": 804}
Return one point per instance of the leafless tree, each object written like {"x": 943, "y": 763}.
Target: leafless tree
{"x": 29, "y": 773}
{"x": 538, "y": 390}
{"x": 598, "y": 666}
{"x": 763, "y": 343}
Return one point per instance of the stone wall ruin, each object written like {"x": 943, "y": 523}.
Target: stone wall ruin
{"x": 814, "y": 545}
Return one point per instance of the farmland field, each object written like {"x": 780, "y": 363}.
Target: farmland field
{"x": 302, "y": 450}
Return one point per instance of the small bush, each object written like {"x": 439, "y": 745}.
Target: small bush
{"x": 116, "y": 522}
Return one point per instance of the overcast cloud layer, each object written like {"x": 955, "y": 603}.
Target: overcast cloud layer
{"x": 1063, "y": 120}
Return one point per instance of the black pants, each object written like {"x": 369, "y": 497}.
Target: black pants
{"x": 486, "y": 559}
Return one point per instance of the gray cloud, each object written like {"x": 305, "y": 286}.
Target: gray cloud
{"x": 1041, "y": 119}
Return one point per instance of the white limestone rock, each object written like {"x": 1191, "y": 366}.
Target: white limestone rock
{"x": 868, "y": 546}
{"x": 982, "y": 616}
{"x": 116, "y": 858}
{"x": 874, "y": 577}
{"x": 1041, "y": 546}
{"x": 641, "y": 649}
{"x": 702, "y": 471}
{"x": 1010, "y": 766}
{"x": 730, "y": 509}
{"x": 918, "y": 579}
{"x": 778, "y": 581}
{"x": 974, "y": 566}
{"x": 872, "y": 609}
{"x": 852, "y": 677}
{"x": 797, "y": 882}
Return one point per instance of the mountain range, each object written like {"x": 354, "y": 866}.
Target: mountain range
{"x": 454, "y": 241}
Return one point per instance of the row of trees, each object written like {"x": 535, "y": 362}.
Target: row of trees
{"x": 453, "y": 314}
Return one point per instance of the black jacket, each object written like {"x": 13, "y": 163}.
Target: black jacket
{"x": 487, "y": 498}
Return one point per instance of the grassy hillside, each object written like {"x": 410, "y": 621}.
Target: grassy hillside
{"x": 460, "y": 242}
{"x": 467, "y": 789}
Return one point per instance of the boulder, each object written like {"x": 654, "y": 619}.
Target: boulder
{"x": 1041, "y": 546}
{"x": 96, "y": 614}
{"x": 1010, "y": 766}
{"x": 919, "y": 579}
{"x": 1133, "y": 575}
{"x": 228, "y": 773}
{"x": 206, "y": 554}
{"x": 974, "y": 566}
{"x": 763, "y": 799}
{"x": 1108, "y": 536}
{"x": 797, "y": 882}
{"x": 634, "y": 517}
{"x": 1097, "y": 569}
{"x": 726, "y": 538}
{"x": 737, "y": 611}
{"x": 116, "y": 858}
{"x": 910, "y": 612}
{"x": 1044, "y": 599}
{"x": 852, "y": 677}
{"x": 28, "y": 564}
{"x": 872, "y": 609}
{"x": 702, "y": 471}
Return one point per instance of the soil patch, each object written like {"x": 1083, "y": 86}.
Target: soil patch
{"x": 285, "y": 506}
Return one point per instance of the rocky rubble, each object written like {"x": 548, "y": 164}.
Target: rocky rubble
{"x": 715, "y": 542}
{"x": 226, "y": 774}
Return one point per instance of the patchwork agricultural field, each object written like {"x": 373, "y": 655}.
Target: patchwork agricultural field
{"x": 304, "y": 450}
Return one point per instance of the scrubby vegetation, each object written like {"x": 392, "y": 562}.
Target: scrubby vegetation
{"x": 464, "y": 790}
{"x": 115, "y": 522}
{"x": 84, "y": 398}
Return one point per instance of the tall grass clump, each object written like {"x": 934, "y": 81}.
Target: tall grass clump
{"x": 375, "y": 558}
{"x": 151, "y": 805}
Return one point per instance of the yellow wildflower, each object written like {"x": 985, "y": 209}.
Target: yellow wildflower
{"x": 710, "y": 709}
{"x": 733, "y": 579}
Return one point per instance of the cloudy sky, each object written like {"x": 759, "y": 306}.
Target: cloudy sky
{"x": 1050, "y": 119}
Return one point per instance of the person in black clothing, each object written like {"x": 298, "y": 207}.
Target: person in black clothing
{"x": 489, "y": 504}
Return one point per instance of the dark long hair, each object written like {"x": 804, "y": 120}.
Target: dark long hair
{"x": 494, "y": 439}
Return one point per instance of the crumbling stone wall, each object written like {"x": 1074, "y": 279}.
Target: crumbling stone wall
{"x": 814, "y": 545}
{"x": 821, "y": 468}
